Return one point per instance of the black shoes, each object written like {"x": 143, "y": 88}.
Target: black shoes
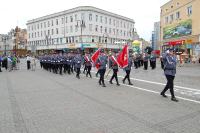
{"x": 174, "y": 99}
{"x": 130, "y": 83}
{"x": 118, "y": 84}
{"x": 110, "y": 82}
{"x": 162, "y": 94}
{"x": 123, "y": 81}
{"x": 103, "y": 85}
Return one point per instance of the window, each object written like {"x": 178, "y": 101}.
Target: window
{"x": 66, "y": 19}
{"x": 110, "y": 21}
{"x": 101, "y": 19}
{"x": 71, "y": 29}
{"x": 124, "y": 25}
{"x": 90, "y": 17}
{"x": 75, "y": 17}
{"x": 45, "y": 33}
{"x": 38, "y": 26}
{"x": 114, "y": 22}
{"x": 41, "y": 33}
{"x": 177, "y": 15}
{"x": 121, "y": 24}
{"x": 41, "y": 25}
{"x": 117, "y": 31}
{"x": 57, "y": 31}
{"x": 32, "y": 35}
{"x": 106, "y": 20}
{"x": 62, "y": 20}
{"x": 82, "y": 16}
{"x": 52, "y": 32}
{"x": 71, "y": 19}
{"x": 105, "y": 29}
{"x": 48, "y": 23}
{"x": 110, "y": 30}
{"x": 56, "y": 21}
{"x": 114, "y": 31}
{"x": 96, "y": 28}
{"x": 189, "y": 10}
{"x": 171, "y": 17}
{"x": 166, "y": 20}
{"x": 76, "y": 28}
{"x": 117, "y": 23}
{"x": 61, "y": 40}
{"x": 52, "y": 23}
{"x": 44, "y": 24}
{"x": 90, "y": 27}
{"x": 32, "y": 27}
{"x": 96, "y": 18}
{"x": 101, "y": 29}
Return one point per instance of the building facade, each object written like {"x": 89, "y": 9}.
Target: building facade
{"x": 180, "y": 26}
{"x": 82, "y": 27}
{"x": 15, "y": 42}
{"x": 156, "y": 36}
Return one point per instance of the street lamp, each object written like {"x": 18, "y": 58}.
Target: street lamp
{"x": 82, "y": 25}
{"x": 105, "y": 35}
{"x": 48, "y": 39}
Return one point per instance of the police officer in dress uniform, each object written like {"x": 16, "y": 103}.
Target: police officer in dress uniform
{"x": 153, "y": 61}
{"x": 145, "y": 59}
{"x": 113, "y": 65}
{"x": 77, "y": 65}
{"x": 170, "y": 71}
{"x": 102, "y": 61}
{"x": 128, "y": 69}
{"x": 88, "y": 64}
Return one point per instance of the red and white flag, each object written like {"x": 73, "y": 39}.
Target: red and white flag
{"x": 95, "y": 57}
{"x": 122, "y": 58}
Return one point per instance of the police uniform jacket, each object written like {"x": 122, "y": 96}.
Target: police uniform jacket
{"x": 170, "y": 65}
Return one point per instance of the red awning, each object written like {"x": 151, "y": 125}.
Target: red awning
{"x": 179, "y": 42}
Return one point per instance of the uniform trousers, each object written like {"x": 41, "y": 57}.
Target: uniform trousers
{"x": 169, "y": 85}
{"x": 102, "y": 73}
{"x": 114, "y": 76}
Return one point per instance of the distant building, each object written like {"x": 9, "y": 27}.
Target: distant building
{"x": 83, "y": 27}
{"x": 15, "y": 42}
{"x": 180, "y": 25}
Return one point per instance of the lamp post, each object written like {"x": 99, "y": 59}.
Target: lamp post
{"x": 82, "y": 25}
{"x": 105, "y": 35}
{"x": 48, "y": 37}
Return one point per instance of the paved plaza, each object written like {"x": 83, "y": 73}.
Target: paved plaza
{"x": 43, "y": 102}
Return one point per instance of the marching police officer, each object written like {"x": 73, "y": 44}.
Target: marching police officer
{"x": 153, "y": 60}
{"x": 102, "y": 61}
{"x": 169, "y": 71}
{"x": 145, "y": 60}
{"x": 88, "y": 64}
{"x": 128, "y": 69}
{"x": 114, "y": 65}
{"x": 78, "y": 61}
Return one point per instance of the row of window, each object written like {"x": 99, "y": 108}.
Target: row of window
{"x": 66, "y": 19}
{"x": 97, "y": 28}
{"x": 171, "y": 18}
{"x": 73, "y": 39}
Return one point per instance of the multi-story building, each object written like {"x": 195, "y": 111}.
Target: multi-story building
{"x": 15, "y": 42}
{"x": 180, "y": 25}
{"x": 156, "y": 36}
{"x": 83, "y": 27}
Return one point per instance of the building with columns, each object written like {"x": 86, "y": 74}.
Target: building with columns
{"x": 82, "y": 27}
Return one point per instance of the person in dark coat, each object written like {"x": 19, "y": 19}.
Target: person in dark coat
{"x": 128, "y": 69}
{"x": 77, "y": 64}
{"x": 170, "y": 72}
{"x": 88, "y": 64}
{"x": 102, "y": 61}
{"x": 114, "y": 65}
{"x": 145, "y": 60}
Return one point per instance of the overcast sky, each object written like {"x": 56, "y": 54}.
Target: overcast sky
{"x": 17, "y": 12}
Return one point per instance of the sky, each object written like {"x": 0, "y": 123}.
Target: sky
{"x": 18, "y": 12}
